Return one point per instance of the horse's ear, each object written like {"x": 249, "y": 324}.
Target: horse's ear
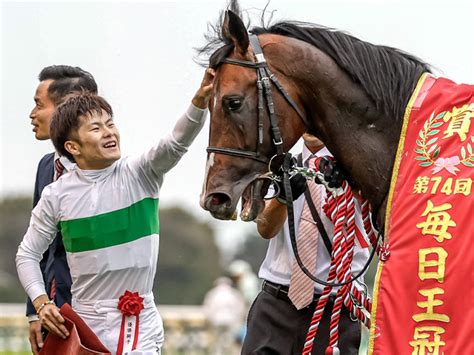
{"x": 234, "y": 30}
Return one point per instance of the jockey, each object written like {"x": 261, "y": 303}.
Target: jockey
{"x": 107, "y": 211}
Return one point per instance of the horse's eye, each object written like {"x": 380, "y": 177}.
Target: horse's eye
{"x": 233, "y": 103}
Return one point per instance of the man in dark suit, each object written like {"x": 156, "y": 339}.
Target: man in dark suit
{"x": 56, "y": 82}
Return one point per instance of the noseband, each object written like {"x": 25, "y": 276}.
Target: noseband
{"x": 264, "y": 79}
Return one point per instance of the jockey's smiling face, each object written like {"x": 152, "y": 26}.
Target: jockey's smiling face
{"x": 96, "y": 143}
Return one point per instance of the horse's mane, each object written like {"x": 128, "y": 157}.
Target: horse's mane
{"x": 388, "y": 75}
{"x": 380, "y": 70}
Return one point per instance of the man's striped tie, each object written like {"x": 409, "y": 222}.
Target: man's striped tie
{"x": 59, "y": 168}
{"x": 301, "y": 291}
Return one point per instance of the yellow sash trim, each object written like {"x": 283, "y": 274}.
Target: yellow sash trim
{"x": 396, "y": 167}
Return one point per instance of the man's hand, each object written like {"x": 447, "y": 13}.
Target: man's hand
{"x": 202, "y": 96}
{"x": 52, "y": 320}
{"x": 49, "y": 316}
{"x": 298, "y": 186}
{"x": 333, "y": 173}
{"x": 35, "y": 336}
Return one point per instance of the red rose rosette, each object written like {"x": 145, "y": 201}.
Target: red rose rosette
{"x": 130, "y": 303}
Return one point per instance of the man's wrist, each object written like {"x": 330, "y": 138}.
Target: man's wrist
{"x": 44, "y": 304}
{"x": 281, "y": 200}
{"x": 32, "y": 318}
{"x": 200, "y": 101}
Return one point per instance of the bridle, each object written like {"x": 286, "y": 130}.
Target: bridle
{"x": 265, "y": 96}
{"x": 264, "y": 79}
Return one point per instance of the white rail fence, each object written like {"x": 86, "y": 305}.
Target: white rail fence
{"x": 186, "y": 331}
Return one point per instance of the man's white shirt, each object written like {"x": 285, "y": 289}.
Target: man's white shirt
{"x": 279, "y": 259}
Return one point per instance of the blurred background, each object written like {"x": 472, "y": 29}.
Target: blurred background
{"x": 143, "y": 57}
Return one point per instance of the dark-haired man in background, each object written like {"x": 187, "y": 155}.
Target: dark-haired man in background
{"x": 56, "y": 82}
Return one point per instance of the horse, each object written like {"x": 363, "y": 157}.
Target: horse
{"x": 289, "y": 78}
{"x": 349, "y": 93}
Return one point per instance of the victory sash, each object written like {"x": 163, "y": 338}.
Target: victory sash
{"x": 424, "y": 293}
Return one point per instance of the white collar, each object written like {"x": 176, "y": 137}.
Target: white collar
{"x": 99, "y": 174}
{"x": 306, "y": 154}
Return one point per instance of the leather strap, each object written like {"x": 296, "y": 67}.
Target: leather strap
{"x": 277, "y": 291}
{"x": 265, "y": 78}
{"x": 281, "y": 292}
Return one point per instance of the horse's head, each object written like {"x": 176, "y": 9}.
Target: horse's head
{"x": 350, "y": 90}
{"x": 242, "y": 140}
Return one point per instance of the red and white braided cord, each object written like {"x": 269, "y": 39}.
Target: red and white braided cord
{"x": 341, "y": 212}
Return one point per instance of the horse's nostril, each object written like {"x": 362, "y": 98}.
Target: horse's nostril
{"x": 219, "y": 199}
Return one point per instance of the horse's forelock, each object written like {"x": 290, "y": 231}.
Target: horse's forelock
{"x": 220, "y": 54}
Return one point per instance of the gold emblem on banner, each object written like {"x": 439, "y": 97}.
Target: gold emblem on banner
{"x": 453, "y": 123}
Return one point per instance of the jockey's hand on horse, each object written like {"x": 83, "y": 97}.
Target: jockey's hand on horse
{"x": 297, "y": 183}
{"x": 333, "y": 173}
{"x": 203, "y": 94}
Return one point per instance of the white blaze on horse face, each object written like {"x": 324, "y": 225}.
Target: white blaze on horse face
{"x": 209, "y": 164}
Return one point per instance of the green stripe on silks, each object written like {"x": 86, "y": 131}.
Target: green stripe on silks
{"x": 112, "y": 228}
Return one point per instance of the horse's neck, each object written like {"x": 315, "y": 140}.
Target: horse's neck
{"x": 359, "y": 136}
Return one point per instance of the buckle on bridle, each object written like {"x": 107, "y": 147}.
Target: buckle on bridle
{"x": 280, "y": 142}
{"x": 266, "y": 82}
{"x": 260, "y": 58}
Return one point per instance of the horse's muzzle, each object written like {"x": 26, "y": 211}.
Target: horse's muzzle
{"x": 219, "y": 205}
